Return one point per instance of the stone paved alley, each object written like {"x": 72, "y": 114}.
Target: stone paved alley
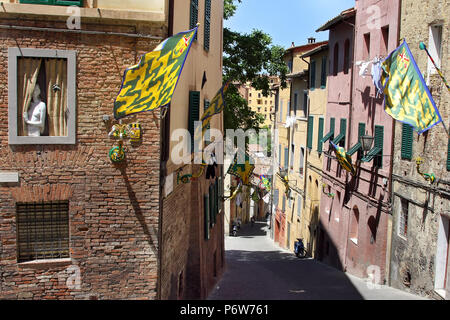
{"x": 257, "y": 269}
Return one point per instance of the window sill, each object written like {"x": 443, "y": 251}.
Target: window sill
{"x": 46, "y": 263}
{"x": 354, "y": 240}
{"x": 440, "y": 292}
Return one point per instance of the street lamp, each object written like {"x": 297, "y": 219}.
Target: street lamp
{"x": 366, "y": 143}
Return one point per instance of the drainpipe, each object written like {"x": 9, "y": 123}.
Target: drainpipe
{"x": 390, "y": 185}
{"x": 350, "y": 130}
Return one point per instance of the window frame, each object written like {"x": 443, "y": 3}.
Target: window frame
{"x": 70, "y": 56}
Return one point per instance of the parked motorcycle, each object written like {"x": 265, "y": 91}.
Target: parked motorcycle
{"x": 299, "y": 248}
{"x": 234, "y": 232}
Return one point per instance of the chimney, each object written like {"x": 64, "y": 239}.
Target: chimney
{"x": 311, "y": 40}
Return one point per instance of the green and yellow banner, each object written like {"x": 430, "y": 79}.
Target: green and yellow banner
{"x": 407, "y": 98}
{"x": 151, "y": 83}
{"x": 344, "y": 159}
{"x": 242, "y": 170}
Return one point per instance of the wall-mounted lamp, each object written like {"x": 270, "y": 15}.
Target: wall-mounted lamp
{"x": 328, "y": 194}
{"x": 366, "y": 143}
{"x": 427, "y": 176}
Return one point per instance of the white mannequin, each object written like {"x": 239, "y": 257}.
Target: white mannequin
{"x": 35, "y": 117}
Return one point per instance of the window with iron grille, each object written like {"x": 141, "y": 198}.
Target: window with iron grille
{"x": 403, "y": 218}
{"x": 42, "y": 230}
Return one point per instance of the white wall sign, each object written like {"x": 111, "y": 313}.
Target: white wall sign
{"x": 9, "y": 177}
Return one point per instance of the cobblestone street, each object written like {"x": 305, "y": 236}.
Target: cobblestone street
{"x": 257, "y": 269}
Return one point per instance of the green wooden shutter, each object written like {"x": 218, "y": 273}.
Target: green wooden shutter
{"x": 379, "y": 136}
{"x": 323, "y": 75}
{"x": 310, "y": 131}
{"x": 78, "y": 3}
{"x": 194, "y": 15}
{"x": 313, "y": 74}
{"x": 343, "y": 131}
{"x": 216, "y": 199}
{"x": 194, "y": 114}
{"x": 320, "y": 135}
{"x": 207, "y": 27}
{"x": 206, "y": 214}
{"x": 448, "y": 156}
{"x": 211, "y": 205}
{"x": 407, "y": 141}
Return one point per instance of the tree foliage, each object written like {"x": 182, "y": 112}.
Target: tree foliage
{"x": 248, "y": 58}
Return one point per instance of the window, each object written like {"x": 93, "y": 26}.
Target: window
{"x": 435, "y": 47}
{"x": 323, "y": 74}
{"x": 305, "y": 103}
{"x": 50, "y": 75}
{"x": 354, "y": 226}
{"x": 295, "y": 103}
{"x": 194, "y": 114}
{"x": 330, "y": 134}
{"x": 366, "y": 52}
{"x": 283, "y": 208}
{"x": 286, "y": 158}
{"x": 384, "y": 40}
{"x": 310, "y": 132}
{"x": 194, "y": 15}
{"x": 336, "y": 59}
{"x": 55, "y": 2}
{"x": 299, "y": 206}
{"x": 206, "y": 208}
{"x": 207, "y": 27}
{"x": 403, "y": 218}
{"x": 290, "y": 66}
{"x": 279, "y": 155}
{"x": 207, "y": 135}
{"x": 320, "y": 135}
{"x": 358, "y": 145}
{"x": 313, "y": 74}
{"x": 377, "y": 151}
{"x": 276, "y": 195}
{"x": 347, "y": 57}
{"x": 407, "y": 141}
{"x": 302, "y": 158}
{"x": 42, "y": 230}
{"x": 292, "y": 156}
{"x": 340, "y": 139}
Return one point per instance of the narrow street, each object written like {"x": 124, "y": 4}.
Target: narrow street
{"x": 257, "y": 269}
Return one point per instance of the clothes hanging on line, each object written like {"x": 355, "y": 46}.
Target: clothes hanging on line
{"x": 376, "y": 75}
{"x": 211, "y": 170}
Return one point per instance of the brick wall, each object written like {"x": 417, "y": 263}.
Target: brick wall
{"x": 113, "y": 211}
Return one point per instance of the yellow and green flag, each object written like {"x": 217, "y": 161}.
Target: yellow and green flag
{"x": 344, "y": 159}
{"x": 151, "y": 83}
{"x": 242, "y": 170}
{"x": 407, "y": 98}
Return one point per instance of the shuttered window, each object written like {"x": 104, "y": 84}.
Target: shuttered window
{"x": 358, "y": 145}
{"x": 212, "y": 208}
{"x": 299, "y": 206}
{"x": 323, "y": 75}
{"x": 42, "y": 230}
{"x": 286, "y": 158}
{"x": 379, "y": 136}
{"x": 276, "y": 195}
{"x": 320, "y": 135}
{"x": 206, "y": 215}
{"x": 78, "y": 3}
{"x": 283, "y": 208}
{"x": 194, "y": 16}
{"x": 207, "y": 135}
{"x": 340, "y": 139}
{"x": 448, "y": 156}
{"x": 207, "y": 24}
{"x": 310, "y": 132}
{"x": 313, "y": 74}
{"x": 407, "y": 141}
{"x": 194, "y": 114}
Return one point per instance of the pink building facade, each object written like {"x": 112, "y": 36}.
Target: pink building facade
{"x": 356, "y": 221}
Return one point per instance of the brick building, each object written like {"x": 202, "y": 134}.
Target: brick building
{"x": 74, "y": 225}
{"x": 420, "y": 233}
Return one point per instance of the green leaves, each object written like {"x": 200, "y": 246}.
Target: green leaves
{"x": 248, "y": 58}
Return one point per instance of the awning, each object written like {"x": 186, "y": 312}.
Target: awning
{"x": 372, "y": 154}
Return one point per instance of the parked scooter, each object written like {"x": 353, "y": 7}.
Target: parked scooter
{"x": 234, "y": 232}
{"x": 299, "y": 248}
{"x": 252, "y": 221}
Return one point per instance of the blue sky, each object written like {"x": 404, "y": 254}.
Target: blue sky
{"x": 287, "y": 21}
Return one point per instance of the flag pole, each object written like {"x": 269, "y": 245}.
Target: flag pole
{"x": 424, "y": 47}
